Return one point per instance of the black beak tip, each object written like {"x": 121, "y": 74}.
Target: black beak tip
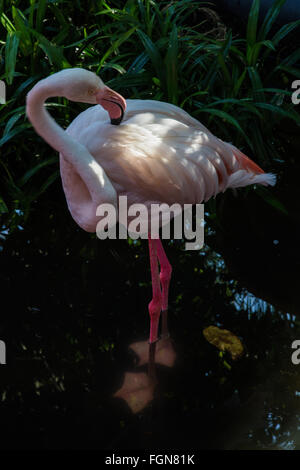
{"x": 116, "y": 122}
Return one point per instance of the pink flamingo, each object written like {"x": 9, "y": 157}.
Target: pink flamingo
{"x": 154, "y": 153}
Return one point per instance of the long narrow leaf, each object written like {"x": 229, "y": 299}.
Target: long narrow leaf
{"x": 3, "y": 206}
{"x": 11, "y": 50}
{"x": 35, "y": 169}
{"x": 282, "y": 112}
{"x": 153, "y": 53}
{"x": 269, "y": 198}
{"x": 40, "y": 15}
{"x": 252, "y": 23}
{"x": 172, "y": 67}
{"x": 270, "y": 18}
{"x": 20, "y": 22}
{"x": 123, "y": 37}
{"x": 284, "y": 31}
{"x": 54, "y": 52}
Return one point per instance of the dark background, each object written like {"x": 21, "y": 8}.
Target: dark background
{"x": 72, "y": 304}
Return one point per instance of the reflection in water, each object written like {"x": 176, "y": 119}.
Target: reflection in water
{"x": 137, "y": 390}
{"x": 269, "y": 419}
{"x": 164, "y": 352}
{"x": 138, "y": 387}
{"x": 67, "y": 333}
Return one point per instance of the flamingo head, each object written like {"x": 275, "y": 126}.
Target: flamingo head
{"x": 83, "y": 86}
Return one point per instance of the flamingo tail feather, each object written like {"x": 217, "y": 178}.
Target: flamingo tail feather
{"x": 248, "y": 172}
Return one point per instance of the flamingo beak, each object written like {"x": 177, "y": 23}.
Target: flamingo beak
{"x": 113, "y": 103}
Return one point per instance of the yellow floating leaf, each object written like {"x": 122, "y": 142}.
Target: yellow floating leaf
{"x": 224, "y": 340}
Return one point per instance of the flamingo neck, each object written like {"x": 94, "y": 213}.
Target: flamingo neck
{"x": 44, "y": 124}
{"x": 94, "y": 187}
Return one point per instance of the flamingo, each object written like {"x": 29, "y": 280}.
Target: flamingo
{"x": 147, "y": 150}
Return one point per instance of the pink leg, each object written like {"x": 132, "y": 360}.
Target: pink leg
{"x": 156, "y": 302}
{"x": 165, "y": 278}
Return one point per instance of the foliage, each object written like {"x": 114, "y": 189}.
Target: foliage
{"x": 238, "y": 86}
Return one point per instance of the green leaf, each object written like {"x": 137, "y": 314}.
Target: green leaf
{"x": 291, "y": 70}
{"x": 172, "y": 67}
{"x": 259, "y": 144}
{"x": 292, "y": 58}
{"x": 11, "y": 50}
{"x": 25, "y": 84}
{"x": 11, "y": 122}
{"x": 21, "y": 26}
{"x": 83, "y": 41}
{"x": 269, "y": 197}
{"x": 277, "y": 90}
{"x": 55, "y": 53}
{"x": 122, "y": 38}
{"x": 40, "y": 14}
{"x": 153, "y": 53}
{"x": 3, "y": 206}
{"x": 257, "y": 85}
{"x": 225, "y": 71}
{"x": 222, "y": 114}
{"x": 283, "y": 112}
{"x": 8, "y": 25}
{"x": 116, "y": 67}
{"x": 59, "y": 15}
{"x": 53, "y": 177}
{"x": 241, "y": 103}
{"x": 35, "y": 169}
{"x": 284, "y": 31}
{"x": 270, "y": 19}
{"x": 130, "y": 80}
{"x": 13, "y": 132}
{"x": 138, "y": 63}
{"x": 252, "y": 23}
{"x": 256, "y": 50}
{"x": 197, "y": 93}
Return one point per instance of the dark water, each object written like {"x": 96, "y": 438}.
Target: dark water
{"x": 72, "y": 306}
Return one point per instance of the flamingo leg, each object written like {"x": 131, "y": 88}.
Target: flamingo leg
{"x": 156, "y": 302}
{"x": 165, "y": 278}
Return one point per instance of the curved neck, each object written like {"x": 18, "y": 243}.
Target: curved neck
{"x": 44, "y": 124}
{"x": 74, "y": 152}
{"x": 82, "y": 161}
